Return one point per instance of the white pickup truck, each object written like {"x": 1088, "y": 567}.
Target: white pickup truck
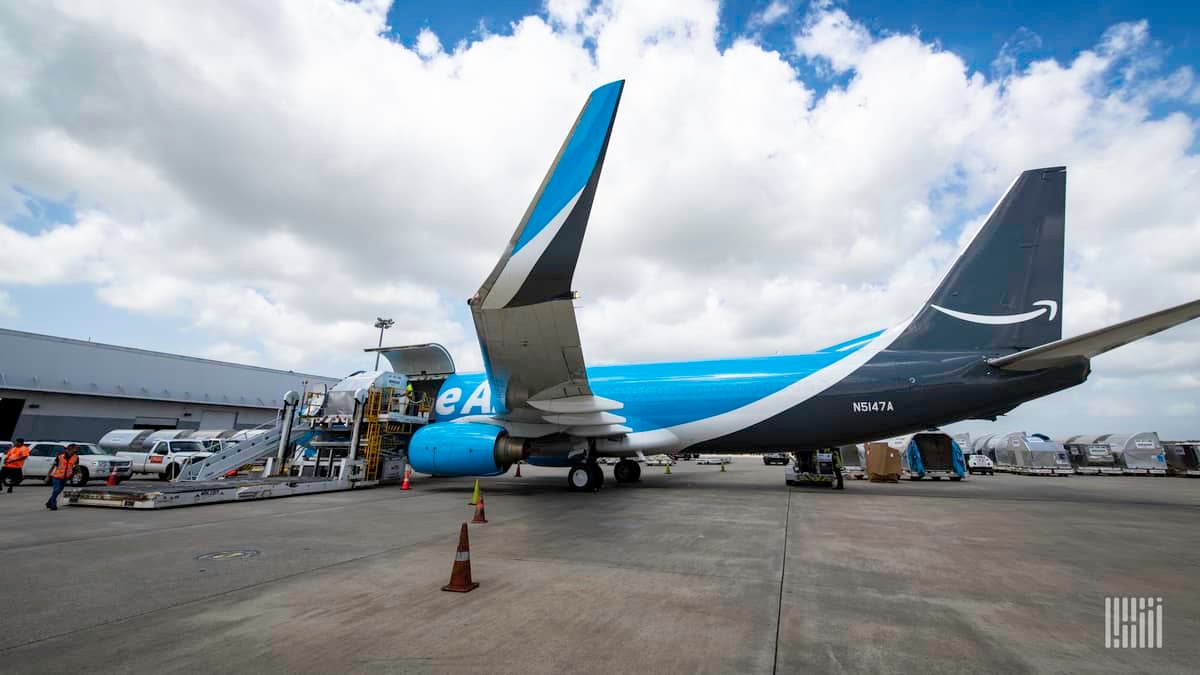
{"x": 94, "y": 463}
{"x": 166, "y": 459}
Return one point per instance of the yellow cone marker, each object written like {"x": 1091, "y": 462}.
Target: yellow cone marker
{"x": 722, "y": 467}
{"x": 668, "y": 471}
{"x": 475, "y": 497}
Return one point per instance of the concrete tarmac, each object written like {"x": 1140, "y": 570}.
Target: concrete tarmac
{"x": 700, "y": 571}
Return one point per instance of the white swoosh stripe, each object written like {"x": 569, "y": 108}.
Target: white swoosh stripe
{"x": 517, "y": 269}
{"x": 992, "y": 320}
{"x": 752, "y": 413}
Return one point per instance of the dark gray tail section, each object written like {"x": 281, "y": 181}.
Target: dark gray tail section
{"x": 1005, "y": 291}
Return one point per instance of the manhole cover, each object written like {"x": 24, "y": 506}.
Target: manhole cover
{"x": 229, "y": 555}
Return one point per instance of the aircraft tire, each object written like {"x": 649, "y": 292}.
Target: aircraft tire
{"x": 579, "y": 478}
{"x": 627, "y": 471}
{"x": 585, "y": 477}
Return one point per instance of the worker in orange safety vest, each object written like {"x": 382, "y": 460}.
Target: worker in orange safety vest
{"x": 60, "y": 473}
{"x": 14, "y": 460}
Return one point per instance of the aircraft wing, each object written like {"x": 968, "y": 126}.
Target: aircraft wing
{"x": 524, "y": 312}
{"x": 1098, "y": 341}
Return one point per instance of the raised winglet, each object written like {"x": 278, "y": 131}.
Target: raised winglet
{"x": 539, "y": 263}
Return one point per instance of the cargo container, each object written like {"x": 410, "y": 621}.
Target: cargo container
{"x": 931, "y": 454}
{"x": 1183, "y": 458}
{"x": 1089, "y": 456}
{"x": 854, "y": 461}
{"x": 883, "y": 463}
{"x": 1138, "y": 454}
{"x": 1038, "y": 455}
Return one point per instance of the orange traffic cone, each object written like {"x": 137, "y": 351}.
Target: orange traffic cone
{"x": 460, "y": 574}
{"x": 480, "y": 518}
{"x": 405, "y": 485}
{"x": 112, "y": 478}
{"x": 518, "y": 470}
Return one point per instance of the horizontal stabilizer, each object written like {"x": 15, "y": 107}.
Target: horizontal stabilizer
{"x": 1099, "y": 341}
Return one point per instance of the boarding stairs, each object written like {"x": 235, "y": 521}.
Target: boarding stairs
{"x": 241, "y": 453}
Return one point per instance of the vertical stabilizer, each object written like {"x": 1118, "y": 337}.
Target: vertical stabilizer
{"x": 1004, "y": 292}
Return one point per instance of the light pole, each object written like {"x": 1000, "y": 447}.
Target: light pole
{"x": 382, "y": 324}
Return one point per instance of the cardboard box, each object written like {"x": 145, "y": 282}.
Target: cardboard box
{"x": 883, "y": 463}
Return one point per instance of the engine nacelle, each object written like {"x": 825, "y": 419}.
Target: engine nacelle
{"x": 468, "y": 449}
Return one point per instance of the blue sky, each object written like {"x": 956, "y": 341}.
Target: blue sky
{"x": 975, "y": 30}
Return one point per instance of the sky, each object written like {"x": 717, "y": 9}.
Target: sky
{"x": 258, "y": 181}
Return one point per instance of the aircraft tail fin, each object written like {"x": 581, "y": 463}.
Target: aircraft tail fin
{"x": 539, "y": 263}
{"x": 1098, "y": 341}
{"x": 1004, "y": 292}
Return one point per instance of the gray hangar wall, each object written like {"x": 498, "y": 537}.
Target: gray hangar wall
{"x": 63, "y": 389}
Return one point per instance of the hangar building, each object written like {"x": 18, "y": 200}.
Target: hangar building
{"x": 63, "y": 389}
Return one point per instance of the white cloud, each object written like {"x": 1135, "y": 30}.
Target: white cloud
{"x": 830, "y": 34}
{"x": 228, "y": 351}
{"x": 773, "y": 12}
{"x": 8, "y": 310}
{"x": 428, "y": 44}
{"x": 277, "y": 175}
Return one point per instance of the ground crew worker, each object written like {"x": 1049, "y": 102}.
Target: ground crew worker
{"x": 408, "y": 393}
{"x": 14, "y": 462}
{"x": 64, "y": 466}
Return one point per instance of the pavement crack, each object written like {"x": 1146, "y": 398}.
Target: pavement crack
{"x": 787, "y": 517}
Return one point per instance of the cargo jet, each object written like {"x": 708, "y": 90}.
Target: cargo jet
{"x": 987, "y": 340}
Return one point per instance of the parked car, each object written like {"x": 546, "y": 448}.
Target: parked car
{"x": 95, "y": 463}
{"x": 166, "y": 458}
{"x": 981, "y": 464}
{"x": 688, "y": 455}
{"x": 659, "y": 460}
{"x": 775, "y": 458}
{"x": 714, "y": 460}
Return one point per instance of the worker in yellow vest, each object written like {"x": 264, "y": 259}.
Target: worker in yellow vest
{"x": 14, "y": 461}
{"x": 60, "y": 473}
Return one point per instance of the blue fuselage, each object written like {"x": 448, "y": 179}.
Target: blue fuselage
{"x": 786, "y": 402}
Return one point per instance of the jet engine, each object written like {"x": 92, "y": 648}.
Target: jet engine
{"x": 467, "y": 449}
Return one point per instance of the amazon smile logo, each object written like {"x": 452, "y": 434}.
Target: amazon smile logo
{"x": 1047, "y": 306}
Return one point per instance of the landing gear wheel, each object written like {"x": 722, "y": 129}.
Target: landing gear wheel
{"x": 627, "y": 471}
{"x": 578, "y": 478}
{"x": 585, "y": 477}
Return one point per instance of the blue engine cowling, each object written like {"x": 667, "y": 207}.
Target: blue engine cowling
{"x": 467, "y": 449}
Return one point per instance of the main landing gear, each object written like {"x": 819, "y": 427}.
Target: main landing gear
{"x": 586, "y": 476}
{"x": 627, "y": 471}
